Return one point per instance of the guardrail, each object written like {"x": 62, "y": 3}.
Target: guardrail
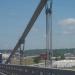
{"x": 28, "y": 70}
{"x": 2, "y": 73}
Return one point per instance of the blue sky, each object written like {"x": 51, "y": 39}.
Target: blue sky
{"x": 15, "y": 15}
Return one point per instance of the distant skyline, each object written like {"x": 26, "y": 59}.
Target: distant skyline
{"x": 15, "y": 15}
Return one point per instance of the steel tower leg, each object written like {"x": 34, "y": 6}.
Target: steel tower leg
{"x": 49, "y": 33}
{"x": 22, "y": 52}
{"x": 20, "y": 56}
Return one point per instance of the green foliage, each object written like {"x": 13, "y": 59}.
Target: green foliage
{"x": 62, "y": 57}
{"x": 56, "y": 59}
{"x": 36, "y": 60}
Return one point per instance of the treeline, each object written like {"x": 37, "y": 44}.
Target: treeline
{"x": 56, "y": 52}
{"x": 59, "y": 52}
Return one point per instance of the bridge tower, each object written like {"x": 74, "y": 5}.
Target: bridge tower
{"x": 49, "y": 52}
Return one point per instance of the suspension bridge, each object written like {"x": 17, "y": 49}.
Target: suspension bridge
{"x": 11, "y": 69}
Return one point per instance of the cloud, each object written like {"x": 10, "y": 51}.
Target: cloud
{"x": 66, "y": 32}
{"x": 68, "y": 21}
{"x": 67, "y": 26}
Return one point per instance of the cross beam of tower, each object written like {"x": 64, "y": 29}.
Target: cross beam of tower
{"x": 28, "y": 28}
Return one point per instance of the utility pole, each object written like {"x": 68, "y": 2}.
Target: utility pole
{"x": 49, "y": 33}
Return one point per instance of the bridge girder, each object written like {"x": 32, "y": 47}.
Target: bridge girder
{"x": 28, "y": 28}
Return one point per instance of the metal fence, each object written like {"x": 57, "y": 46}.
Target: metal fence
{"x": 28, "y": 70}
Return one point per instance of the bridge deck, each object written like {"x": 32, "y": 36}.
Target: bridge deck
{"x": 27, "y": 70}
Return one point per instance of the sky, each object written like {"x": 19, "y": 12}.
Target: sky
{"x": 15, "y": 15}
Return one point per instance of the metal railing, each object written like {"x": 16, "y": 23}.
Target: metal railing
{"x": 2, "y": 73}
{"x": 28, "y": 70}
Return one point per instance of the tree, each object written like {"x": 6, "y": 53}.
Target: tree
{"x": 62, "y": 57}
{"x": 56, "y": 58}
{"x": 36, "y": 60}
